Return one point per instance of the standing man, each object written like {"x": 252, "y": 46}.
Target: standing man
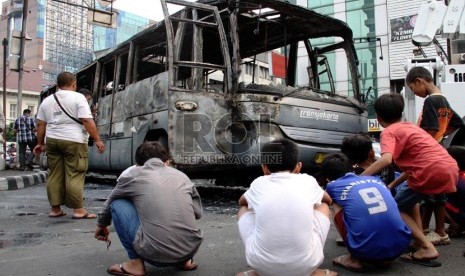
{"x": 64, "y": 119}
{"x": 24, "y": 128}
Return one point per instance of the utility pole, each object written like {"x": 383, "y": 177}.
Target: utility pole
{"x": 5, "y": 49}
{"x": 21, "y": 58}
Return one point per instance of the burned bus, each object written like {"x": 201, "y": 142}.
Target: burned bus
{"x": 181, "y": 82}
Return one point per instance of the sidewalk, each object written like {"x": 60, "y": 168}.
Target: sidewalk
{"x": 16, "y": 179}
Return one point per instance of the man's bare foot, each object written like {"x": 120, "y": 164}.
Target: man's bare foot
{"x": 323, "y": 272}
{"x": 426, "y": 253}
{"x": 133, "y": 267}
{"x": 82, "y": 213}
{"x": 56, "y": 212}
{"x": 349, "y": 263}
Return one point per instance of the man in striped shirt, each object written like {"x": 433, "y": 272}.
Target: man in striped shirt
{"x": 24, "y": 129}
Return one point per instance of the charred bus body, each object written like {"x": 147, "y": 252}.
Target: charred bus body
{"x": 178, "y": 82}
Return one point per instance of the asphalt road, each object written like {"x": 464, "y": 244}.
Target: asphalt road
{"x": 33, "y": 244}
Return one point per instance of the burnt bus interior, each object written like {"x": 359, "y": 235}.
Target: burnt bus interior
{"x": 261, "y": 26}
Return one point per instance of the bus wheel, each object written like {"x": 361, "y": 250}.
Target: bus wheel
{"x": 163, "y": 140}
{"x": 157, "y": 135}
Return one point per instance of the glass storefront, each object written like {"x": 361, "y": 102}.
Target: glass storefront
{"x": 360, "y": 16}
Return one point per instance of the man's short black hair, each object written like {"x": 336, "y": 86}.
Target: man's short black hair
{"x": 389, "y": 107}
{"x": 458, "y": 153}
{"x": 335, "y": 165}
{"x": 280, "y": 155}
{"x": 357, "y": 147}
{"x": 152, "y": 149}
{"x": 418, "y": 73}
{"x": 26, "y": 111}
{"x": 65, "y": 79}
{"x": 85, "y": 92}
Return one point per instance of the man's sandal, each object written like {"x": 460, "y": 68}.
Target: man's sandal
{"x": 122, "y": 272}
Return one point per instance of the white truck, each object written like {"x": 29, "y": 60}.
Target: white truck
{"x": 450, "y": 78}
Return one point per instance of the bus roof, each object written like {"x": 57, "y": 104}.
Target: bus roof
{"x": 280, "y": 24}
{"x": 263, "y": 25}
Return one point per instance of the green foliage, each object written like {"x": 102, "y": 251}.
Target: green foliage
{"x": 10, "y": 134}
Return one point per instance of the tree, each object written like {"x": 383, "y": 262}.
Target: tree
{"x": 10, "y": 134}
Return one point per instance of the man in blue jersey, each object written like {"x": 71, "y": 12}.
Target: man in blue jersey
{"x": 365, "y": 215}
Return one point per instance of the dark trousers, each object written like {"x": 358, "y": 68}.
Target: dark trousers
{"x": 26, "y": 159}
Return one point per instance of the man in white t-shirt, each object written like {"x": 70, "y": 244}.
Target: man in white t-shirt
{"x": 284, "y": 217}
{"x": 66, "y": 128}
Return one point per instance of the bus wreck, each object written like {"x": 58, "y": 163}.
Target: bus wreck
{"x": 179, "y": 82}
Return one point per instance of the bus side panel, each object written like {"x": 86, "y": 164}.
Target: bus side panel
{"x": 133, "y": 117}
{"x": 101, "y": 161}
{"x": 104, "y": 114}
{"x": 134, "y": 114}
{"x": 120, "y": 154}
{"x": 146, "y": 104}
{"x": 151, "y": 127}
{"x": 121, "y": 145}
{"x": 144, "y": 97}
{"x": 198, "y": 130}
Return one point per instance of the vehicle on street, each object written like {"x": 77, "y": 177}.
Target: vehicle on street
{"x": 10, "y": 158}
{"x": 181, "y": 82}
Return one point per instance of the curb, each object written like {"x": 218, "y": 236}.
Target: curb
{"x": 22, "y": 181}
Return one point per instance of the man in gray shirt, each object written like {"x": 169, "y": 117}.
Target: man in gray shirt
{"x": 154, "y": 209}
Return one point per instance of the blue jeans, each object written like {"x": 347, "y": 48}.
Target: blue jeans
{"x": 406, "y": 198}
{"x": 126, "y": 223}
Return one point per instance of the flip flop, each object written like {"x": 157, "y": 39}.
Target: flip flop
{"x": 249, "y": 272}
{"x": 339, "y": 263}
{"x": 410, "y": 258}
{"x": 85, "y": 216}
{"x": 57, "y": 215}
{"x": 122, "y": 271}
{"x": 187, "y": 267}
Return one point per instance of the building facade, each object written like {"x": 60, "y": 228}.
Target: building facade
{"x": 60, "y": 38}
{"x": 128, "y": 24}
{"x": 382, "y": 31}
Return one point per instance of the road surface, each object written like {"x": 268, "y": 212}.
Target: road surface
{"x": 31, "y": 243}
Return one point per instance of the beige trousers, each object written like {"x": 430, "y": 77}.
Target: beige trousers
{"x": 68, "y": 164}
